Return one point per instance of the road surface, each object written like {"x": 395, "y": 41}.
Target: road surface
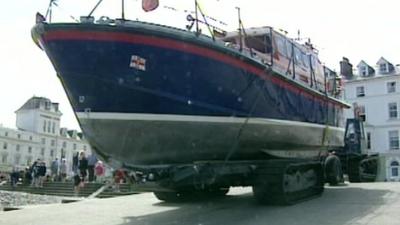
{"x": 368, "y": 203}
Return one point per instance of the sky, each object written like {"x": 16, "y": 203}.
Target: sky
{"x": 359, "y": 30}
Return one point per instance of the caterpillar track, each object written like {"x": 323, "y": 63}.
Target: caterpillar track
{"x": 284, "y": 182}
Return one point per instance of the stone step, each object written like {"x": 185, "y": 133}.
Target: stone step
{"x": 67, "y": 189}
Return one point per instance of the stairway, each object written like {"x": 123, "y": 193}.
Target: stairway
{"x": 67, "y": 189}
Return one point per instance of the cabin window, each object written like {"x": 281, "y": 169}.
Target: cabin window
{"x": 259, "y": 43}
{"x": 297, "y": 56}
{"x": 289, "y": 48}
{"x": 306, "y": 61}
{"x": 393, "y": 140}
{"x": 313, "y": 61}
{"x": 281, "y": 46}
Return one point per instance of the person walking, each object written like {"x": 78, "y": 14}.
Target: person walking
{"x": 83, "y": 166}
{"x": 119, "y": 177}
{"x": 92, "y": 160}
{"x": 77, "y": 183}
{"x": 99, "y": 171}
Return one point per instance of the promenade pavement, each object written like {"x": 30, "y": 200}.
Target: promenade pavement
{"x": 351, "y": 204}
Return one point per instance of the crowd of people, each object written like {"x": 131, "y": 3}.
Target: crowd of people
{"x": 84, "y": 169}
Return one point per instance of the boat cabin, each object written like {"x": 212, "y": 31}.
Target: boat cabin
{"x": 287, "y": 56}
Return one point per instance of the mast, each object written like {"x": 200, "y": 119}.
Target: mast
{"x": 240, "y": 30}
{"x": 123, "y": 10}
{"x": 196, "y": 16}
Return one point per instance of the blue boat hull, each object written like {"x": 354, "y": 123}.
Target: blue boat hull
{"x": 182, "y": 77}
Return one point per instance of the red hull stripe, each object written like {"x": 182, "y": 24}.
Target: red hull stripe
{"x": 181, "y": 46}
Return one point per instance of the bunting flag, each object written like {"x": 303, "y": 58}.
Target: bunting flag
{"x": 149, "y": 5}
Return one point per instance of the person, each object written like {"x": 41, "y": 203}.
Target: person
{"x": 63, "y": 170}
{"x": 28, "y": 176}
{"x": 119, "y": 177}
{"x": 35, "y": 173}
{"x": 75, "y": 162}
{"x": 77, "y": 183}
{"x": 83, "y": 165}
{"x": 42, "y": 173}
{"x": 99, "y": 171}
{"x": 92, "y": 160}
{"x": 14, "y": 176}
{"x": 54, "y": 169}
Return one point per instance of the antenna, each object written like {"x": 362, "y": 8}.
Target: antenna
{"x": 240, "y": 29}
{"x": 95, "y": 7}
{"x": 298, "y": 35}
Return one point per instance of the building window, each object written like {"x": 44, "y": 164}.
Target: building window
{"x": 84, "y": 147}
{"x": 74, "y": 146}
{"x": 360, "y": 92}
{"x": 391, "y": 87}
{"x": 17, "y": 159}
{"x": 364, "y": 70}
{"x": 4, "y": 158}
{"x": 62, "y": 153}
{"x": 42, "y": 151}
{"x": 5, "y": 145}
{"x": 394, "y": 169}
{"x": 44, "y": 125}
{"x": 43, "y": 140}
{"x": 64, "y": 144}
{"x": 30, "y": 138}
{"x": 19, "y": 136}
{"x": 53, "y": 129}
{"x": 393, "y": 110}
{"x": 29, "y": 149}
{"x": 17, "y": 147}
{"x": 362, "y": 114}
{"x": 393, "y": 140}
{"x": 383, "y": 68}
{"x": 48, "y": 127}
{"x": 53, "y": 142}
{"x": 6, "y": 134}
{"x": 368, "y": 140}
{"x": 52, "y": 152}
{"x": 28, "y": 160}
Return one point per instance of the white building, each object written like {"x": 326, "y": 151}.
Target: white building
{"x": 38, "y": 136}
{"x": 377, "y": 93}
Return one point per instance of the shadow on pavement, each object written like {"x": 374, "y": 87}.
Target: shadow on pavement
{"x": 337, "y": 206}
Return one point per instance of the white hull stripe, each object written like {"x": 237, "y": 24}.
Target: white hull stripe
{"x": 186, "y": 118}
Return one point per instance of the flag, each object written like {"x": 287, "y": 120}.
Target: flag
{"x": 149, "y": 5}
{"x": 138, "y": 62}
